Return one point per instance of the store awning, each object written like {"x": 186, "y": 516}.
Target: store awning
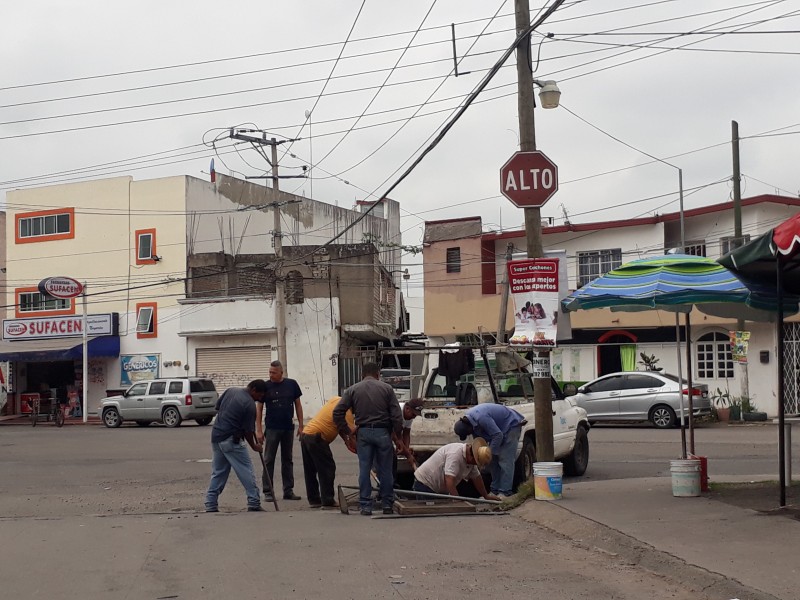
{"x": 104, "y": 346}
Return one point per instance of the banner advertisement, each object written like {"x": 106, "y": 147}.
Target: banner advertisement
{"x": 739, "y": 343}
{"x": 139, "y": 367}
{"x": 534, "y": 288}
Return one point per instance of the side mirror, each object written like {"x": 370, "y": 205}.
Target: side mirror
{"x": 582, "y": 390}
{"x": 570, "y": 389}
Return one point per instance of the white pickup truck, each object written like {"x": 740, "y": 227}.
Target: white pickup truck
{"x": 448, "y": 398}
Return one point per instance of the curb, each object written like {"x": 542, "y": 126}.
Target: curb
{"x": 592, "y": 535}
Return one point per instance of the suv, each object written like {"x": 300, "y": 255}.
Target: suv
{"x": 169, "y": 401}
{"x": 447, "y": 399}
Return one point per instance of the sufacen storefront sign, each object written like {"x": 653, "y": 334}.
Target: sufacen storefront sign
{"x": 139, "y": 367}
{"x": 57, "y": 327}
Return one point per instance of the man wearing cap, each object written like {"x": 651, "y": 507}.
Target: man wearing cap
{"x": 502, "y": 427}
{"x": 450, "y": 465}
{"x": 319, "y": 467}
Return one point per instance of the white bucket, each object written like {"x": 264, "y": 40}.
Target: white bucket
{"x": 685, "y": 478}
{"x": 547, "y": 480}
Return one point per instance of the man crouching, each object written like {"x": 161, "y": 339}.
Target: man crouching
{"x": 452, "y": 464}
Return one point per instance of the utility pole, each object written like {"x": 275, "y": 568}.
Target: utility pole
{"x": 737, "y": 233}
{"x": 258, "y": 143}
{"x": 501, "y": 325}
{"x": 543, "y": 401}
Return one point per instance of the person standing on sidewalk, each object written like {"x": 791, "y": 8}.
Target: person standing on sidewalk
{"x": 234, "y": 424}
{"x": 319, "y": 467}
{"x": 377, "y": 416}
{"x": 274, "y": 428}
{"x": 501, "y": 427}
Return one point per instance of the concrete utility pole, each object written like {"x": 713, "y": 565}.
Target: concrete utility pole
{"x": 542, "y": 394}
{"x": 737, "y": 233}
{"x": 258, "y": 143}
{"x": 501, "y": 325}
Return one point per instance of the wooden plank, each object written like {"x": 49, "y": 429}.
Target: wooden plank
{"x": 422, "y": 507}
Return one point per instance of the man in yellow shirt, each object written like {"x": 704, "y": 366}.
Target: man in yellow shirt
{"x": 319, "y": 467}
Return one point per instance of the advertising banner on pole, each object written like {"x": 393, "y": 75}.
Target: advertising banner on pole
{"x": 740, "y": 340}
{"x": 534, "y": 287}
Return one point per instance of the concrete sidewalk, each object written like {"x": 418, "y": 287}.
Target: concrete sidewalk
{"x": 755, "y": 549}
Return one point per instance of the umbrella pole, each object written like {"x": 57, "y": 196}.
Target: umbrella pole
{"x": 689, "y": 382}
{"x": 780, "y": 361}
{"x": 680, "y": 384}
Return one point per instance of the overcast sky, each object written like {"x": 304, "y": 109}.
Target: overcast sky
{"x": 266, "y": 63}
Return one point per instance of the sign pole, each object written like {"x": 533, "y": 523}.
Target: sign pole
{"x": 84, "y": 328}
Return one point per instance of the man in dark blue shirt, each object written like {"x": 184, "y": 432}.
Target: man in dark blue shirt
{"x": 274, "y": 427}
{"x": 234, "y": 424}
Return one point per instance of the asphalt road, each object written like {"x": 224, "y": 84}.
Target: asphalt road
{"x": 89, "y": 512}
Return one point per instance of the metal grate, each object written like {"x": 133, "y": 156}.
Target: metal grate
{"x": 791, "y": 368}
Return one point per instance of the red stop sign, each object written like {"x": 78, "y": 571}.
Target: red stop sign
{"x": 529, "y": 179}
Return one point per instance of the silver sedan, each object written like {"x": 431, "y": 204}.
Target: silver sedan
{"x": 641, "y": 396}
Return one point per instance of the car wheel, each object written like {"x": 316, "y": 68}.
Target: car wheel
{"x": 523, "y": 468}
{"x": 111, "y": 418}
{"x": 663, "y": 417}
{"x": 143, "y": 423}
{"x": 171, "y": 417}
{"x": 204, "y": 421}
{"x": 577, "y": 462}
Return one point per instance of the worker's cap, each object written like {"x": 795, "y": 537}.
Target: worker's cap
{"x": 416, "y": 405}
{"x": 481, "y": 452}
{"x": 463, "y": 428}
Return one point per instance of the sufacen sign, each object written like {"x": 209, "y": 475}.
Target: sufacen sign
{"x": 139, "y": 367}
{"x": 57, "y": 327}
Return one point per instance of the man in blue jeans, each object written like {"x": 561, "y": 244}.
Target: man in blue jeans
{"x": 235, "y": 423}
{"x": 501, "y": 427}
{"x": 377, "y": 416}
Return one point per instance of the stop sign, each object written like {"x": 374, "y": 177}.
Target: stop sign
{"x": 529, "y": 179}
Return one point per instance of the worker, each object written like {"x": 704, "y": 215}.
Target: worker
{"x": 501, "y": 427}
{"x": 319, "y": 467}
{"x": 450, "y": 465}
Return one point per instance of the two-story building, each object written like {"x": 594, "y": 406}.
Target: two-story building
{"x": 463, "y": 270}
{"x": 179, "y": 276}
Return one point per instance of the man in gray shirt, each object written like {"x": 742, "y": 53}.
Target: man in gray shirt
{"x": 377, "y": 416}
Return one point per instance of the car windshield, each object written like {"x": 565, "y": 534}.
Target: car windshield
{"x": 202, "y": 385}
{"x": 399, "y": 379}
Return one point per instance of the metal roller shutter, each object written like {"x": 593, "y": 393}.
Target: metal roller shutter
{"x": 232, "y": 367}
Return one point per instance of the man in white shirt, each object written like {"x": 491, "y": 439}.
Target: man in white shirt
{"x": 452, "y": 464}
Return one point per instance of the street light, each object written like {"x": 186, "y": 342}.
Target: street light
{"x": 549, "y": 94}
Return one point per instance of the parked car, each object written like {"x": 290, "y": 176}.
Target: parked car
{"x": 641, "y": 396}
{"x": 169, "y": 401}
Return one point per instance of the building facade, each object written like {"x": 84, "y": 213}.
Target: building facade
{"x": 464, "y": 268}
{"x": 176, "y": 275}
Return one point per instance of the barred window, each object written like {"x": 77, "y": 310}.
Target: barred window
{"x": 592, "y": 265}
{"x": 454, "y": 260}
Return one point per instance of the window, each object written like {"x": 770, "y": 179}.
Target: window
{"x": 695, "y": 248}
{"x": 609, "y": 384}
{"x": 32, "y": 303}
{"x": 146, "y": 247}
{"x": 158, "y": 387}
{"x": 454, "y": 260}
{"x": 147, "y": 320}
{"x": 638, "y": 382}
{"x": 597, "y": 262}
{"x": 45, "y": 225}
{"x": 140, "y": 389}
{"x": 728, "y": 243}
{"x": 176, "y": 387}
{"x": 714, "y": 360}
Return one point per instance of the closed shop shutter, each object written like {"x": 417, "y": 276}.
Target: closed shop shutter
{"x": 233, "y": 367}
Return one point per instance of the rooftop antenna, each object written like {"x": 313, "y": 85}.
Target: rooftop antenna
{"x": 566, "y": 215}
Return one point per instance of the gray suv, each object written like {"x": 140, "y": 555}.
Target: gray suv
{"x": 169, "y": 401}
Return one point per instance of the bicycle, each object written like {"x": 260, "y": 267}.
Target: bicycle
{"x": 56, "y": 411}
{"x": 34, "y": 404}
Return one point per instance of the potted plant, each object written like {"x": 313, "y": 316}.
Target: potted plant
{"x": 750, "y": 411}
{"x": 649, "y": 362}
{"x": 722, "y": 404}
{"x": 736, "y": 408}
